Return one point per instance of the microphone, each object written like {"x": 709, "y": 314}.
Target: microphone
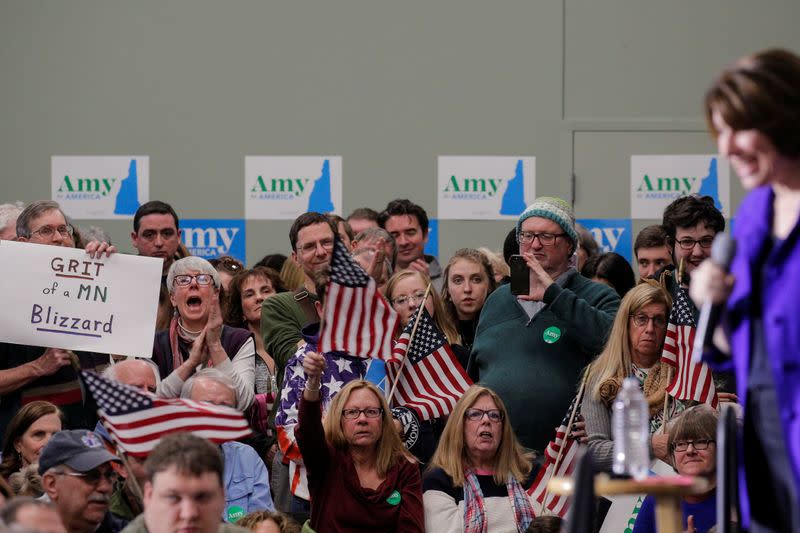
{"x": 722, "y": 252}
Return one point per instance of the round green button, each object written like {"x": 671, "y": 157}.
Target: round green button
{"x": 394, "y": 498}
{"x": 551, "y": 335}
{"x": 235, "y": 513}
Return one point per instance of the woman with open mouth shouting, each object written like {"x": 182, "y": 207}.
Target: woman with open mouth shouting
{"x": 196, "y": 336}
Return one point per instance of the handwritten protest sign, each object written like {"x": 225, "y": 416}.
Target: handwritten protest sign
{"x": 62, "y": 298}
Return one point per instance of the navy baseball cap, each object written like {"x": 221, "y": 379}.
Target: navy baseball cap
{"x": 79, "y": 449}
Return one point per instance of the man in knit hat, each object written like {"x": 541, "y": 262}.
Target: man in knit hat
{"x": 530, "y": 349}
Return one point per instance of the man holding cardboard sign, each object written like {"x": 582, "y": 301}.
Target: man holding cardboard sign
{"x": 29, "y": 373}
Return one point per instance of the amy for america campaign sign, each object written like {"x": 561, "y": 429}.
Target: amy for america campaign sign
{"x": 62, "y": 298}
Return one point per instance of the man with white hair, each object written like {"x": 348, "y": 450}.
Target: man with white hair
{"x": 137, "y": 373}
{"x": 8, "y": 220}
{"x": 125, "y": 502}
{"x": 245, "y": 478}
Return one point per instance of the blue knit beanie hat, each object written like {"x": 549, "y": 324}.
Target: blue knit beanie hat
{"x": 552, "y": 208}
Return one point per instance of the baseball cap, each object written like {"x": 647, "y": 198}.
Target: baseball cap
{"x": 79, "y": 449}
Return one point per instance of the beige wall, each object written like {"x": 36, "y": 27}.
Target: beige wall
{"x": 199, "y": 84}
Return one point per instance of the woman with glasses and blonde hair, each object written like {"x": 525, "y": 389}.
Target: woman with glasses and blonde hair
{"x": 360, "y": 476}
{"x": 405, "y": 290}
{"x": 478, "y": 475}
{"x": 633, "y": 350}
{"x": 197, "y": 337}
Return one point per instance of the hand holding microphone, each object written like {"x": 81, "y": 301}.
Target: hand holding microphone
{"x": 710, "y": 287}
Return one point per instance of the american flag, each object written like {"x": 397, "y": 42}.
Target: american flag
{"x": 432, "y": 380}
{"x": 358, "y": 320}
{"x": 692, "y": 381}
{"x": 549, "y": 503}
{"x": 137, "y": 420}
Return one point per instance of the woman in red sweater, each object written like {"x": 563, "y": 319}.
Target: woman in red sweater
{"x": 360, "y": 476}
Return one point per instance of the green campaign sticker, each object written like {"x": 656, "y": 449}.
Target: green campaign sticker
{"x": 551, "y": 335}
{"x": 394, "y": 498}
{"x": 235, "y": 512}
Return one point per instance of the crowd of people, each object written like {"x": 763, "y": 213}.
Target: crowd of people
{"x": 330, "y": 452}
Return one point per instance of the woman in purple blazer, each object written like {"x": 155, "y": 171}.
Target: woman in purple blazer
{"x": 753, "y": 111}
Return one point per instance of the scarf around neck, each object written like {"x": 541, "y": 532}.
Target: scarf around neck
{"x": 475, "y": 512}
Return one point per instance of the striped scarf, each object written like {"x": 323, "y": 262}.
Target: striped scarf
{"x": 475, "y": 513}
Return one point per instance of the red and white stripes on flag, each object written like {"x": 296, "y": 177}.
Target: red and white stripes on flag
{"x": 692, "y": 381}
{"x": 137, "y": 420}
{"x": 549, "y": 503}
{"x": 358, "y": 320}
{"x": 432, "y": 380}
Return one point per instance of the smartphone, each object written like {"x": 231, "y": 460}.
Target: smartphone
{"x": 520, "y": 276}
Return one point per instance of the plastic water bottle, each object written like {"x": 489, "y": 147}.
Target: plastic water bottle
{"x": 631, "y": 427}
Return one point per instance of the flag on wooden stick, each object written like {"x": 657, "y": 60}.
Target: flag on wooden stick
{"x": 560, "y": 460}
{"x": 431, "y": 380}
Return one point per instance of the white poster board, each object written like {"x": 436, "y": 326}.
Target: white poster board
{"x": 657, "y": 180}
{"x": 484, "y": 187}
{"x": 62, "y": 298}
{"x": 284, "y": 187}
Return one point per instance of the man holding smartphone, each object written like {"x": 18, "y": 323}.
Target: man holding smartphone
{"x": 530, "y": 346}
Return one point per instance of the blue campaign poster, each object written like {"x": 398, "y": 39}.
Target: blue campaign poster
{"x": 432, "y": 247}
{"x": 611, "y": 234}
{"x": 212, "y": 237}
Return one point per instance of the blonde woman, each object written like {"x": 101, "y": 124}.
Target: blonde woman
{"x": 405, "y": 290}
{"x": 479, "y": 473}
{"x": 360, "y": 476}
{"x": 468, "y": 281}
{"x": 633, "y": 349}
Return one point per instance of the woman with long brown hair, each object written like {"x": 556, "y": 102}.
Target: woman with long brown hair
{"x": 27, "y": 433}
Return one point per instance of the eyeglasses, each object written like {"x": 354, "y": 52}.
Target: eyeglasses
{"x": 369, "y": 412}
{"x": 310, "y": 247}
{"x": 48, "y": 231}
{"x": 92, "y": 477}
{"x": 182, "y": 280}
{"x": 547, "y": 239}
{"x": 688, "y": 243}
{"x": 699, "y": 444}
{"x": 403, "y": 300}
{"x": 474, "y": 415}
{"x": 641, "y": 320}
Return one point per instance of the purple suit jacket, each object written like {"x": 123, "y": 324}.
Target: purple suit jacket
{"x": 780, "y": 297}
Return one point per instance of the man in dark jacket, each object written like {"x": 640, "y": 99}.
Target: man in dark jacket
{"x": 531, "y": 349}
